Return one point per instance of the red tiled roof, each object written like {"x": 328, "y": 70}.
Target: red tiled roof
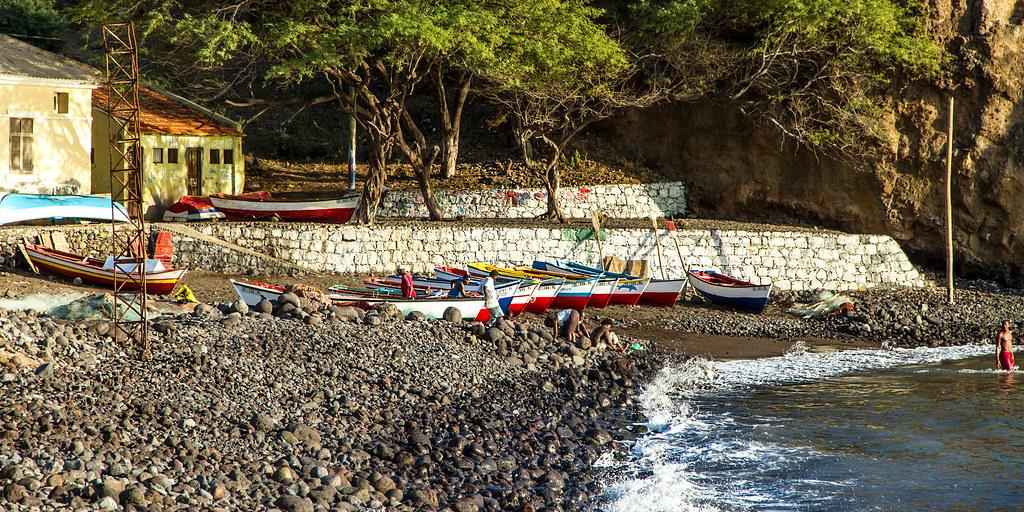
{"x": 163, "y": 115}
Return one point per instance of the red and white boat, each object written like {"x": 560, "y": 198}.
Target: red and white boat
{"x": 159, "y": 279}
{"x": 730, "y": 291}
{"x": 629, "y": 291}
{"x": 540, "y": 299}
{"x": 294, "y": 207}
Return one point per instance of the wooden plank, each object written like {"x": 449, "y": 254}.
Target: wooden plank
{"x": 24, "y": 254}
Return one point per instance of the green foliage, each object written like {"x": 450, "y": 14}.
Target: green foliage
{"x": 817, "y": 69}
{"x": 36, "y": 21}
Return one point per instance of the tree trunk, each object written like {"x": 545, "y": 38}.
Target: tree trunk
{"x": 373, "y": 189}
{"x": 420, "y": 161}
{"x": 522, "y": 138}
{"x": 451, "y": 120}
{"x": 552, "y": 182}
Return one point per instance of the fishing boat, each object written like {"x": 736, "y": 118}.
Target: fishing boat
{"x": 512, "y": 295}
{"x": 432, "y": 308}
{"x": 658, "y": 292}
{"x": 571, "y": 295}
{"x": 540, "y": 299}
{"x": 729, "y": 291}
{"x": 16, "y": 208}
{"x": 600, "y": 295}
{"x": 294, "y": 207}
{"x": 159, "y": 279}
{"x": 627, "y": 291}
{"x": 192, "y": 209}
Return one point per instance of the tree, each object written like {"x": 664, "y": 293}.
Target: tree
{"x": 817, "y": 70}
{"x": 562, "y": 73}
{"x": 36, "y": 21}
{"x": 370, "y": 56}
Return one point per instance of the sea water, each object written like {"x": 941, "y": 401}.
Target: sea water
{"x": 904, "y": 429}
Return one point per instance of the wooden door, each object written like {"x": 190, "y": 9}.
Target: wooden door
{"x": 194, "y": 171}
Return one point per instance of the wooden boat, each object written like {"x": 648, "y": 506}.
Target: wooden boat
{"x": 627, "y": 290}
{"x": 540, "y": 299}
{"x": 571, "y": 295}
{"x": 16, "y": 208}
{"x": 600, "y": 295}
{"x": 729, "y": 291}
{"x": 658, "y": 292}
{"x": 432, "y": 308}
{"x": 512, "y": 295}
{"x": 294, "y": 207}
{"x": 159, "y": 280}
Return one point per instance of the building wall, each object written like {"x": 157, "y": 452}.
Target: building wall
{"x": 164, "y": 183}
{"x": 60, "y": 142}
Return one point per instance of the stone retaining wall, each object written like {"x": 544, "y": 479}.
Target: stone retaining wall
{"x": 793, "y": 260}
{"x": 617, "y": 201}
{"x": 797, "y": 260}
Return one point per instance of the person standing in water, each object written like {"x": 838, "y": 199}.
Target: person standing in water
{"x": 1004, "y": 347}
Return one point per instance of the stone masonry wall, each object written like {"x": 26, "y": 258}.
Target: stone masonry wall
{"x": 793, "y": 260}
{"x": 617, "y": 201}
{"x": 800, "y": 260}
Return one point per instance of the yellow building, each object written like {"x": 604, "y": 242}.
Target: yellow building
{"x": 187, "y": 150}
{"x": 45, "y": 120}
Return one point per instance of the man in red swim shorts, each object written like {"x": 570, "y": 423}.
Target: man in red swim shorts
{"x": 1004, "y": 348}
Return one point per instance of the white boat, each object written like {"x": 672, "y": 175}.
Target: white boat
{"x": 729, "y": 291}
{"x": 293, "y": 207}
{"x": 432, "y": 308}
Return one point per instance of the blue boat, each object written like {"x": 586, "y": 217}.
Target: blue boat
{"x": 15, "y": 208}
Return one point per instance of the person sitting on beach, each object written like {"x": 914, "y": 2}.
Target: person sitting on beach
{"x": 604, "y": 333}
{"x": 408, "y": 290}
{"x": 491, "y": 298}
{"x": 1004, "y": 348}
{"x": 568, "y": 324}
{"x": 459, "y": 287}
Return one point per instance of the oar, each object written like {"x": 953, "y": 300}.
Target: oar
{"x": 671, "y": 225}
{"x": 657, "y": 244}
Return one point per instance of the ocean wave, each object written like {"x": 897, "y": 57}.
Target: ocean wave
{"x": 696, "y": 460}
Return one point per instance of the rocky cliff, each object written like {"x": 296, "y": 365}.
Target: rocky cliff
{"x": 739, "y": 169}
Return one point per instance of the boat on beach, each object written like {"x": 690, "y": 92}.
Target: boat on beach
{"x": 540, "y": 299}
{"x": 657, "y": 292}
{"x": 16, "y": 208}
{"x": 729, "y": 291}
{"x": 600, "y": 295}
{"x": 291, "y": 207}
{"x": 432, "y": 308}
{"x": 571, "y": 295}
{"x": 159, "y": 279}
{"x": 512, "y": 296}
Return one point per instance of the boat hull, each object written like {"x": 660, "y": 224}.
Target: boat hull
{"x": 629, "y": 291}
{"x": 602, "y": 293}
{"x": 62, "y": 264}
{"x": 339, "y": 210}
{"x": 574, "y": 295}
{"x": 746, "y": 296}
{"x": 544, "y": 297}
{"x": 662, "y": 292}
{"x": 15, "y": 208}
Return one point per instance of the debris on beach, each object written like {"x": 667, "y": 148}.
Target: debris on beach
{"x": 824, "y": 304}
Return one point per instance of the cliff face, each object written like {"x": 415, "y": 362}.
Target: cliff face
{"x": 738, "y": 169}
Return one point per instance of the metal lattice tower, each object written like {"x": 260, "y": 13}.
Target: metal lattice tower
{"x": 129, "y": 240}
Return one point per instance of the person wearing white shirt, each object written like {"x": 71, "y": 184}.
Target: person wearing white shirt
{"x": 491, "y": 298}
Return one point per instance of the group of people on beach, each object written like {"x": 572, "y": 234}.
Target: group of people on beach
{"x": 567, "y": 323}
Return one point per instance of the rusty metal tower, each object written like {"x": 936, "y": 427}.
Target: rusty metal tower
{"x": 129, "y": 239}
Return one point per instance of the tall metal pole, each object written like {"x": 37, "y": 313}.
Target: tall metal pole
{"x": 949, "y": 204}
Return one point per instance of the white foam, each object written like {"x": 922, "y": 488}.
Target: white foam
{"x": 684, "y": 438}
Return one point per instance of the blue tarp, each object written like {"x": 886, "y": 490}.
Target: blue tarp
{"x": 16, "y": 208}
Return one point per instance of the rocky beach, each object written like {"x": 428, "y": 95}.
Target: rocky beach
{"x": 300, "y": 406}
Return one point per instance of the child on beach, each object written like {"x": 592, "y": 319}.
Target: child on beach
{"x": 1004, "y": 348}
